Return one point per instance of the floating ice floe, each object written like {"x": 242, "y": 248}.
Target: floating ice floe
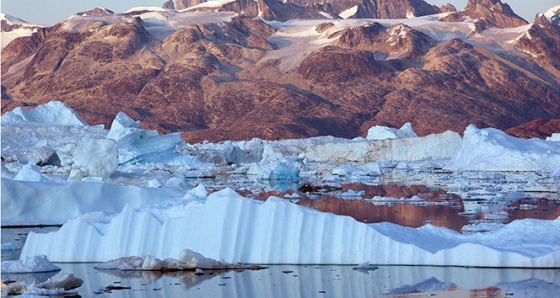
{"x": 357, "y": 171}
{"x": 235, "y": 229}
{"x": 279, "y": 170}
{"x": 29, "y": 264}
{"x": 490, "y": 149}
{"x": 63, "y": 287}
{"x": 188, "y": 261}
{"x": 10, "y": 246}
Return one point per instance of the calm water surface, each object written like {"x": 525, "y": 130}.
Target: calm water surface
{"x": 314, "y": 281}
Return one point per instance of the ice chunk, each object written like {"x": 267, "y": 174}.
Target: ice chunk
{"x": 9, "y": 246}
{"x": 66, "y": 282}
{"x": 29, "y": 264}
{"x": 139, "y": 145}
{"x": 188, "y": 260}
{"x": 93, "y": 157}
{"x": 357, "y": 171}
{"x": 490, "y": 149}
{"x": 29, "y": 173}
{"x": 383, "y": 132}
{"x": 52, "y": 113}
{"x": 555, "y": 137}
{"x": 62, "y": 287}
{"x": 280, "y": 170}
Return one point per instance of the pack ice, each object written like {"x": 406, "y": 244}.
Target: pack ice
{"x": 124, "y": 193}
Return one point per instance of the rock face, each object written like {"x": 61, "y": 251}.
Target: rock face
{"x": 280, "y": 11}
{"x": 9, "y": 23}
{"x": 94, "y": 12}
{"x": 236, "y": 77}
{"x": 168, "y": 5}
{"x": 542, "y": 40}
{"x": 377, "y": 9}
{"x": 493, "y": 13}
{"x": 538, "y": 128}
{"x": 184, "y": 4}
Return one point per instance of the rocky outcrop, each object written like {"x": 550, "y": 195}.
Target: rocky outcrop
{"x": 184, "y": 4}
{"x": 168, "y": 5}
{"x": 94, "y": 12}
{"x": 542, "y": 40}
{"x": 377, "y": 9}
{"x": 396, "y": 41}
{"x": 493, "y": 12}
{"x": 538, "y": 128}
{"x": 280, "y": 11}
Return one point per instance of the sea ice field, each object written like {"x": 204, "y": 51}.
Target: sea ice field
{"x": 390, "y": 214}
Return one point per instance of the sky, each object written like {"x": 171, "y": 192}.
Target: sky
{"x": 49, "y": 12}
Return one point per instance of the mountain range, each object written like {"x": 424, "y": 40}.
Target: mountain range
{"x": 238, "y": 69}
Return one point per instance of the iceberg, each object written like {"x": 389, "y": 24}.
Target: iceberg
{"x": 62, "y": 287}
{"x": 232, "y": 228}
{"x": 435, "y": 146}
{"x": 383, "y": 132}
{"x": 125, "y": 193}
{"x": 136, "y": 144}
{"x": 52, "y": 113}
{"x": 30, "y": 264}
{"x": 188, "y": 261}
{"x": 331, "y": 149}
{"x": 490, "y": 149}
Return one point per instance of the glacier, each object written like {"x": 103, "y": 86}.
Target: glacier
{"x": 128, "y": 191}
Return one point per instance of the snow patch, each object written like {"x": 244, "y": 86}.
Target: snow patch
{"x": 210, "y": 4}
{"x": 349, "y": 12}
{"x": 552, "y": 12}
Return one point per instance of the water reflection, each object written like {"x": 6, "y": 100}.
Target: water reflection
{"x": 323, "y": 281}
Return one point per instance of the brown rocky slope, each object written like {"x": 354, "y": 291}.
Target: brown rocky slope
{"x": 225, "y": 80}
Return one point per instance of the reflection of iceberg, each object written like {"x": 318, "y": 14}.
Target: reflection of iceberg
{"x": 336, "y": 281}
{"x": 429, "y": 285}
{"x": 231, "y": 228}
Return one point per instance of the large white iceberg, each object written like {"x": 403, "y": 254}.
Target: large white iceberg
{"x": 435, "y": 146}
{"x": 330, "y": 149}
{"x": 235, "y": 229}
{"x": 491, "y": 149}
